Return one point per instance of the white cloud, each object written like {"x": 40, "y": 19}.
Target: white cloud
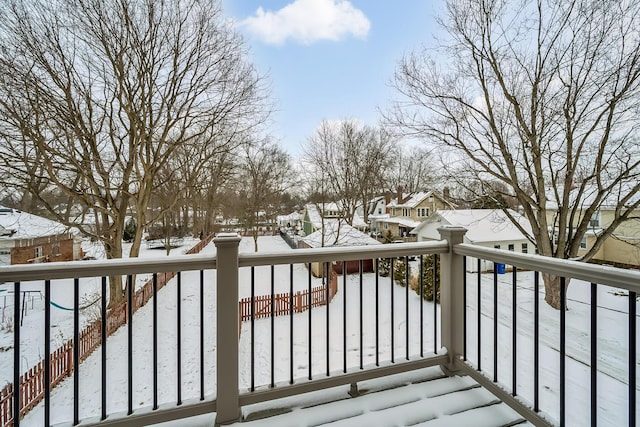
{"x": 307, "y": 21}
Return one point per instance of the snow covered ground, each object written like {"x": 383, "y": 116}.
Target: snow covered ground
{"x": 612, "y": 350}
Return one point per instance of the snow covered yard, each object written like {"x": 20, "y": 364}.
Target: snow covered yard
{"x": 613, "y": 347}
{"x": 612, "y": 350}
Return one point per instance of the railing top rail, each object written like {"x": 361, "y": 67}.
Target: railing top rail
{"x": 350, "y": 253}
{"x": 593, "y": 273}
{"x": 79, "y": 269}
{"x": 123, "y": 266}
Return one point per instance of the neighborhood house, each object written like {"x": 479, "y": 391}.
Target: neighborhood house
{"x": 27, "y": 238}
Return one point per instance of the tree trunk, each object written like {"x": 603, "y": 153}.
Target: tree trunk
{"x": 552, "y": 289}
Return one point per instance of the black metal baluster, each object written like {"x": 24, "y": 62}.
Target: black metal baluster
{"x": 421, "y": 276}
{"x": 309, "y": 308}
{"x": 435, "y": 303}
{"x": 536, "y": 342}
{"x": 514, "y": 348}
{"x": 361, "y": 319}
{"x": 406, "y": 306}
{"x": 201, "y": 334}
{"x": 155, "y": 340}
{"x": 273, "y": 317}
{"x": 594, "y": 354}
{"x": 16, "y": 354}
{"x": 76, "y": 351}
{"x": 392, "y": 312}
{"x": 253, "y": 334}
{"x": 377, "y": 316}
{"x": 105, "y": 326}
{"x": 47, "y": 352}
{"x": 495, "y": 323}
{"x": 344, "y": 317}
{"x": 632, "y": 358}
{"x": 129, "y": 287}
{"x": 479, "y": 317}
{"x": 464, "y": 304}
{"x": 328, "y": 285}
{"x": 179, "y": 338}
{"x": 563, "y": 342}
{"x": 290, "y": 324}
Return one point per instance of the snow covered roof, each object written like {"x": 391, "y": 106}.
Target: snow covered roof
{"x": 483, "y": 225}
{"x": 400, "y": 220}
{"x": 23, "y": 225}
{"x": 292, "y": 217}
{"x": 338, "y": 233}
{"x": 410, "y": 200}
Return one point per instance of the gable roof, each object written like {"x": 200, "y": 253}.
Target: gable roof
{"x": 15, "y": 224}
{"x": 412, "y": 200}
{"x": 341, "y": 233}
{"x": 483, "y": 225}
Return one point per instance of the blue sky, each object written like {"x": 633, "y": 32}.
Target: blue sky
{"x": 330, "y": 59}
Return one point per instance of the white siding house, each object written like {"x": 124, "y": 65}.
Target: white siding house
{"x": 486, "y": 227}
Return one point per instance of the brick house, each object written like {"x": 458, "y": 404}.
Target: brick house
{"x": 27, "y": 238}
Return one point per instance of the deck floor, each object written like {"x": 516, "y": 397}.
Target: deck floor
{"x": 420, "y": 398}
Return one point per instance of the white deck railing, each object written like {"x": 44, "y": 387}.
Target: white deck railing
{"x": 229, "y": 398}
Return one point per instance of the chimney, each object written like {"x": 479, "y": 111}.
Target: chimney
{"x": 387, "y": 198}
{"x": 400, "y": 194}
{"x": 446, "y": 193}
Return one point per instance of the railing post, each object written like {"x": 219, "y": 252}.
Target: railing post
{"x": 227, "y": 399}
{"x": 452, "y": 295}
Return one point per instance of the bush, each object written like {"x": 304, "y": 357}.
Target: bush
{"x": 400, "y": 271}
{"x": 428, "y": 262}
{"x": 384, "y": 267}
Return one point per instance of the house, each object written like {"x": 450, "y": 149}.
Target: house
{"x": 406, "y": 211}
{"x": 486, "y": 227}
{"x": 27, "y": 238}
{"x": 317, "y": 213}
{"x": 292, "y": 221}
{"x": 338, "y": 233}
{"x": 623, "y": 246}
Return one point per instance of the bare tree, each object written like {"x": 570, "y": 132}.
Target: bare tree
{"x": 348, "y": 160}
{"x": 265, "y": 173}
{"x": 541, "y": 97}
{"x": 412, "y": 169}
{"x": 97, "y": 95}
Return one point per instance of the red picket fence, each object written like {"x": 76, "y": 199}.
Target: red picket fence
{"x": 61, "y": 360}
{"x": 282, "y": 302}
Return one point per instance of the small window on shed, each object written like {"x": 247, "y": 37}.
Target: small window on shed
{"x": 512, "y": 247}
{"x": 525, "y": 248}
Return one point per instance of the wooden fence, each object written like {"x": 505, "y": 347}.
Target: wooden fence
{"x": 61, "y": 360}
{"x": 301, "y": 301}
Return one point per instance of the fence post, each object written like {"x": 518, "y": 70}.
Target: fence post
{"x": 452, "y": 294}
{"x": 227, "y": 399}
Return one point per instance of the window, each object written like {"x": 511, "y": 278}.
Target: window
{"x": 55, "y": 249}
{"x": 379, "y": 211}
{"x": 511, "y": 247}
{"x": 386, "y": 225}
{"x": 525, "y": 248}
{"x": 496, "y": 246}
{"x": 594, "y": 222}
{"x": 3, "y": 252}
{"x": 406, "y": 212}
{"x": 583, "y": 243}
{"x": 38, "y": 252}
{"x": 423, "y": 212}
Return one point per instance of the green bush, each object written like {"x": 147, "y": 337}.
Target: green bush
{"x": 429, "y": 262}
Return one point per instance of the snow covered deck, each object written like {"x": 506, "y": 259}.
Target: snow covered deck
{"x": 426, "y": 397}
